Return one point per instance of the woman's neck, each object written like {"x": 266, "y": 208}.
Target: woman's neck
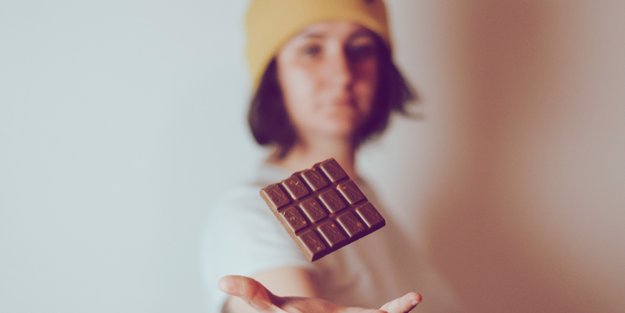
{"x": 302, "y": 156}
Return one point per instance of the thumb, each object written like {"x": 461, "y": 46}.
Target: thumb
{"x": 403, "y": 304}
{"x": 250, "y": 290}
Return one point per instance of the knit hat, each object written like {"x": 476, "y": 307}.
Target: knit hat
{"x": 271, "y": 23}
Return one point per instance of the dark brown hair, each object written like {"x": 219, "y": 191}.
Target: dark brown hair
{"x": 270, "y": 124}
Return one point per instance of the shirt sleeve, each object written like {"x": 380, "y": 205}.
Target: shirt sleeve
{"x": 242, "y": 237}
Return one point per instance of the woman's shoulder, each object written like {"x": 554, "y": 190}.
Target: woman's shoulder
{"x": 246, "y": 196}
{"x": 238, "y": 204}
{"x": 238, "y": 195}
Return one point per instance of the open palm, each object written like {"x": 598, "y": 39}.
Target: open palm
{"x": 263, "y": 301}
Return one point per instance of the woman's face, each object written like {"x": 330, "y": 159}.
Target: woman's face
{"x": 328, "y": 74}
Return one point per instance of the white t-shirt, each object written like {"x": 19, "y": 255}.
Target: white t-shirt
{"x": 244, "y": 238}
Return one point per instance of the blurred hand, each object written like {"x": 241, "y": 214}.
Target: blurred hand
{"x": 263, "y": 301}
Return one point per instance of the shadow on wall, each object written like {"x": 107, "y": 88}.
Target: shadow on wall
{"x": 525, "y": 207}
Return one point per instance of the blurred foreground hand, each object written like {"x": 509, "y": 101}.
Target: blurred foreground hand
{"x": 263, "y": 301}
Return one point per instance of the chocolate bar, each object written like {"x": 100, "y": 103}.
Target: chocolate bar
{"x": 322, "y": 209}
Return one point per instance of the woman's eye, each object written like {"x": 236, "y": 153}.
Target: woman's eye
{"x": 361, "y": 51}
{"x": 311, "y": 50}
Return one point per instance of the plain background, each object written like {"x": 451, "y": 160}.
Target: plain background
{"x": 120, "y": 121}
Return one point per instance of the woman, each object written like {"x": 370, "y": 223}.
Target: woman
{"x": 325, "y": 83}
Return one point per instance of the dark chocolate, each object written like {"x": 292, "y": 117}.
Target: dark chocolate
{"x": 322, "y": 209}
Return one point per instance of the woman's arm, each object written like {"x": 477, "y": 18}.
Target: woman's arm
{"x": 252, "y": 296}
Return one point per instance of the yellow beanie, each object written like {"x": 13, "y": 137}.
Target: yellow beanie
{"x": 271, "y": 23}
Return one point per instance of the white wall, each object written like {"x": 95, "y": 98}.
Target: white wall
{"x": 121, "y": 120}
{"x": 116, "y": 119}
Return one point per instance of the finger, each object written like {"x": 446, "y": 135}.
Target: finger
{"x": 403, "y": 304}
{"x": 361, "y": 310}
{"x": 250, "y": 290}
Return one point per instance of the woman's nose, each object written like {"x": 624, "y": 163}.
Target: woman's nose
{"x": 339, "y": 70}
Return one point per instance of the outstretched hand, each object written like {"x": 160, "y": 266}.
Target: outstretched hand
{"x": 263, "y": 301}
